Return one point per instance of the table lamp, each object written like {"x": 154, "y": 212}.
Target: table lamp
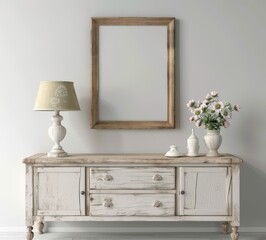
{"x": 56, "y": 96}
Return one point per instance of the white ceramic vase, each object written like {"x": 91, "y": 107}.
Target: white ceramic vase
{"x": 193, "y": 145}
{"x": 213, "y": 141}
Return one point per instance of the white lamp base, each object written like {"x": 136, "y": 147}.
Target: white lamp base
{"x": 57, "y": 133}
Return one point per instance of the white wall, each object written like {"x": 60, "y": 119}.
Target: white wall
{"x": 220, "y": 46}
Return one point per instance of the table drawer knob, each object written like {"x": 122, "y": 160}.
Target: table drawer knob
{"x": 108, "y": 203}
{"x": 182, "y": 192}
{"x": 157, "y": 177}
{"x": 108, "y": 178}
{"x": 157, "y": 204}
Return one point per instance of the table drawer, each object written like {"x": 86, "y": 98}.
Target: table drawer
{"x": 132, "y": 178}
{"x": 132, "y": 204}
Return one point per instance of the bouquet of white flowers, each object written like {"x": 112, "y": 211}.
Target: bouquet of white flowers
{"x": 211, "y": 113}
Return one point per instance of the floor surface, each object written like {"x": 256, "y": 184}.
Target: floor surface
{"x": 133, "y": 236}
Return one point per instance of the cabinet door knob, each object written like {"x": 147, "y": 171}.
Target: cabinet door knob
{"x": 182, "y": 192}
{"x": 157, "y": 177}
{"x": 157, "y": 204}
{"x": 83, "y": 192}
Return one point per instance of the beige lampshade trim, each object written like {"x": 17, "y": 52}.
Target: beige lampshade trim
{"x": 56, "y": 95}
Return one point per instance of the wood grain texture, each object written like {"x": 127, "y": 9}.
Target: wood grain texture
{"x": 132, "y": 187}
{"x": 132, "y": 124}
{"x": 125, "y": 159}
{"x": 94, "y": 73}
{"x": 40, "y": 227}
{"x": 95, "y": 81}
{"x": 29, "y": 195}
{"x": 225, "y": 227}
{"x": 133, "y": 21}
{"x": 132, "y": 205}
{"x": 234, "y": 234}
{"x": 190, "y": 188}
{"x": 137, "y": 191}
{"x": 29, "y": 234}
{"x": 206, "y": 191}
{"x": 235, "y": 195}
{"x": 58, "y": 191}
{"x": 135, "y": 218}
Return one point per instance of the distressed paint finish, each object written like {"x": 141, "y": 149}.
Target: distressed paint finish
{"x": 225, "y": 227}
{"x": 132, "y": 187}
{"x": 132, "y": 205}
{"x": 205, "y": 191}
{"x": 136, "y": 218}
{"x": 29, "y": 195}
{"x": 235, "y": 196}
{"x": 234, "y": 234}
{"x": 125, "y": 159}
{"x": 59, "y": 191}
{"x": 132, "y": 178}
{"x": 40, "y": 227}
{"x": 29, "y": 234}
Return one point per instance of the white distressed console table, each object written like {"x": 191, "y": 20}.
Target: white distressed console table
{"x": 132, "y": 187}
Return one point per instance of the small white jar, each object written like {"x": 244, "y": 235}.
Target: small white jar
{"x": 173, "y": 152}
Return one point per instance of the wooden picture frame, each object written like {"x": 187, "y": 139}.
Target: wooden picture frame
{"x": 166, "y": 119}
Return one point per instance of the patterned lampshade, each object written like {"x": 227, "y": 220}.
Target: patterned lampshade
{"x": 56, "y": 96}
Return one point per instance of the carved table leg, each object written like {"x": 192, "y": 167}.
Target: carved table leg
{"x": 40, "y": 227}
{"x": 234, "y": 234}
{"x": 29, "y": 234}
{"x": 225, "y": 227}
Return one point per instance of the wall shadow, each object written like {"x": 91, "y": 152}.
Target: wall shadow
{"x": 252, "y": 196}
{"x": 177, "y": 73}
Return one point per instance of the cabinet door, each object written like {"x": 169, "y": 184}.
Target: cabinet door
{"x": 205, "y": 191}
{"x": 59, "y": 191}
